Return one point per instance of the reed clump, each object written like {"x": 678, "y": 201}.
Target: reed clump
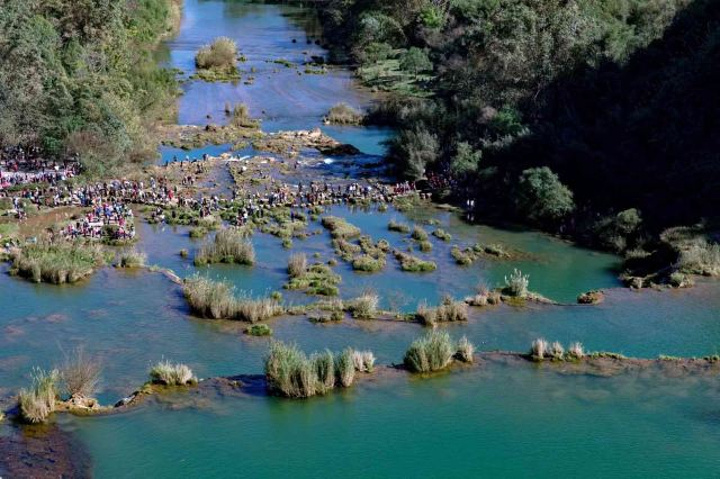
{"x": 221, "y": 54}
{"x": 172, "y": 374}
{"x": 364, "y": 306}
{"x": 340, "y": 228}
{"x": 465, "y": 350}
{"x": 449, "y": 310}
{"x": 293, "y": 374}
{"x": 218, "y": 300}
{"x": 542, "y": 350}
{"x": 398, "y": 226}
{"x": 230, "y": 246}
{"x": 344, "y": 114}
{"x": 132, "y": 259}
{"x": 318, "y": 280}
{"x": 443, "y": 235}
{"x": 516, "y": 285}
{"x": 57, "y": 263}
{"x": 432, "y": 352}
{"x": 297, "y": 265}
{"x": 259, "y": 330}
{"x": 419, "y": 234}
{"x": 38, "y": 402}
{"x": 413, "y": 264}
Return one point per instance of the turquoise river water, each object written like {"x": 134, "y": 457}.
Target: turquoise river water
{"x": 494, "y": 421}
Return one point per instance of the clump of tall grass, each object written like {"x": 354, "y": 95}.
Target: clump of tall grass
{"x": 340, "y": 228}
{"x": 254, "y": 310}
{"x": 345, "y": 368}
{"x": 324, "y": 365}
{"x": 700, "y": 257}
{"x": 364, "y": 361}
{"x": 210, "y": 299}
{"x": 465, "y": 350}
{"x": 80, "y": 375}
{"x": 297, "y": 265}
{"x": 516, "y": 285}
{"x": 132, "y": 259}
{"x": 57, "y": 263}
{"x": 398, "y": 227}
{"x": 576, "y": 351}
{"x": 259, "y": 330}
{"x": 171, "y": 374}
{"x": 432, "y": 352}
{"x": 364, "y": 306}
{"x": 230, "y": 246}
{"x": 557, "y": 351}
{"x": 344, "y": 114}
{"x": 291, "y": 373}
{"x": 218, "y": 300}
{"x": 38, "y": 402}
{"x": 419, "y": 234}
{"x": 318, "y": 280}
{"x": 539, "y": 349}
{"x": 368, "y": 264}
{"x": 449, "y": 310}
{"x": 442, "y": 235}
{"x": 240, "y": 117}
{"x": 413, "y": 264}
{"x": 220, "y": 54}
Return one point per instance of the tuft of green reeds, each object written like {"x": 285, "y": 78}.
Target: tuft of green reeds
{"x": 432, "y": 352}
{"x": 398, "y": 226}
{"x": 171, "y": 374}
{"x": 516, "y": 285}
{"x": 340, "y": 228}
{"x": 365, "y": 306}
{"x": 38, "y": 402}
{"x": 293, "y": 374}
{"x": 259, "y": 330}
{"x": 449, "y": 310}
{"x": 132, "y": 259}
{"x": 218, "y": 300}
{"x": 344, "y": 114}
{"x": 230, "y": 246}
{"x": 57, "y": 263}
{"x": 413, "y": 264}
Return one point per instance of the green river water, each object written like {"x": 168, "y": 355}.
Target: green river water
{"x": 493, "y": 421}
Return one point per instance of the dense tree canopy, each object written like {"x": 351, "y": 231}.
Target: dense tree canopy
{"x": 77, "y": 76}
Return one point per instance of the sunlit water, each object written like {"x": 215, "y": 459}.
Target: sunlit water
{"x": 496, "y": 422}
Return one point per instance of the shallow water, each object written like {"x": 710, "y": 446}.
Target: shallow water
{"x": 284, "y": 98}
{"x": 497, "y": 421}
{"x": 493, "y": 422}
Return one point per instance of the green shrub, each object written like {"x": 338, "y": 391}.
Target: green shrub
{"x": 542, "y": 197}
{"x": 259, "y": 330}
{"x": 432, "y": 352}
{"x": 171, "y": 374}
